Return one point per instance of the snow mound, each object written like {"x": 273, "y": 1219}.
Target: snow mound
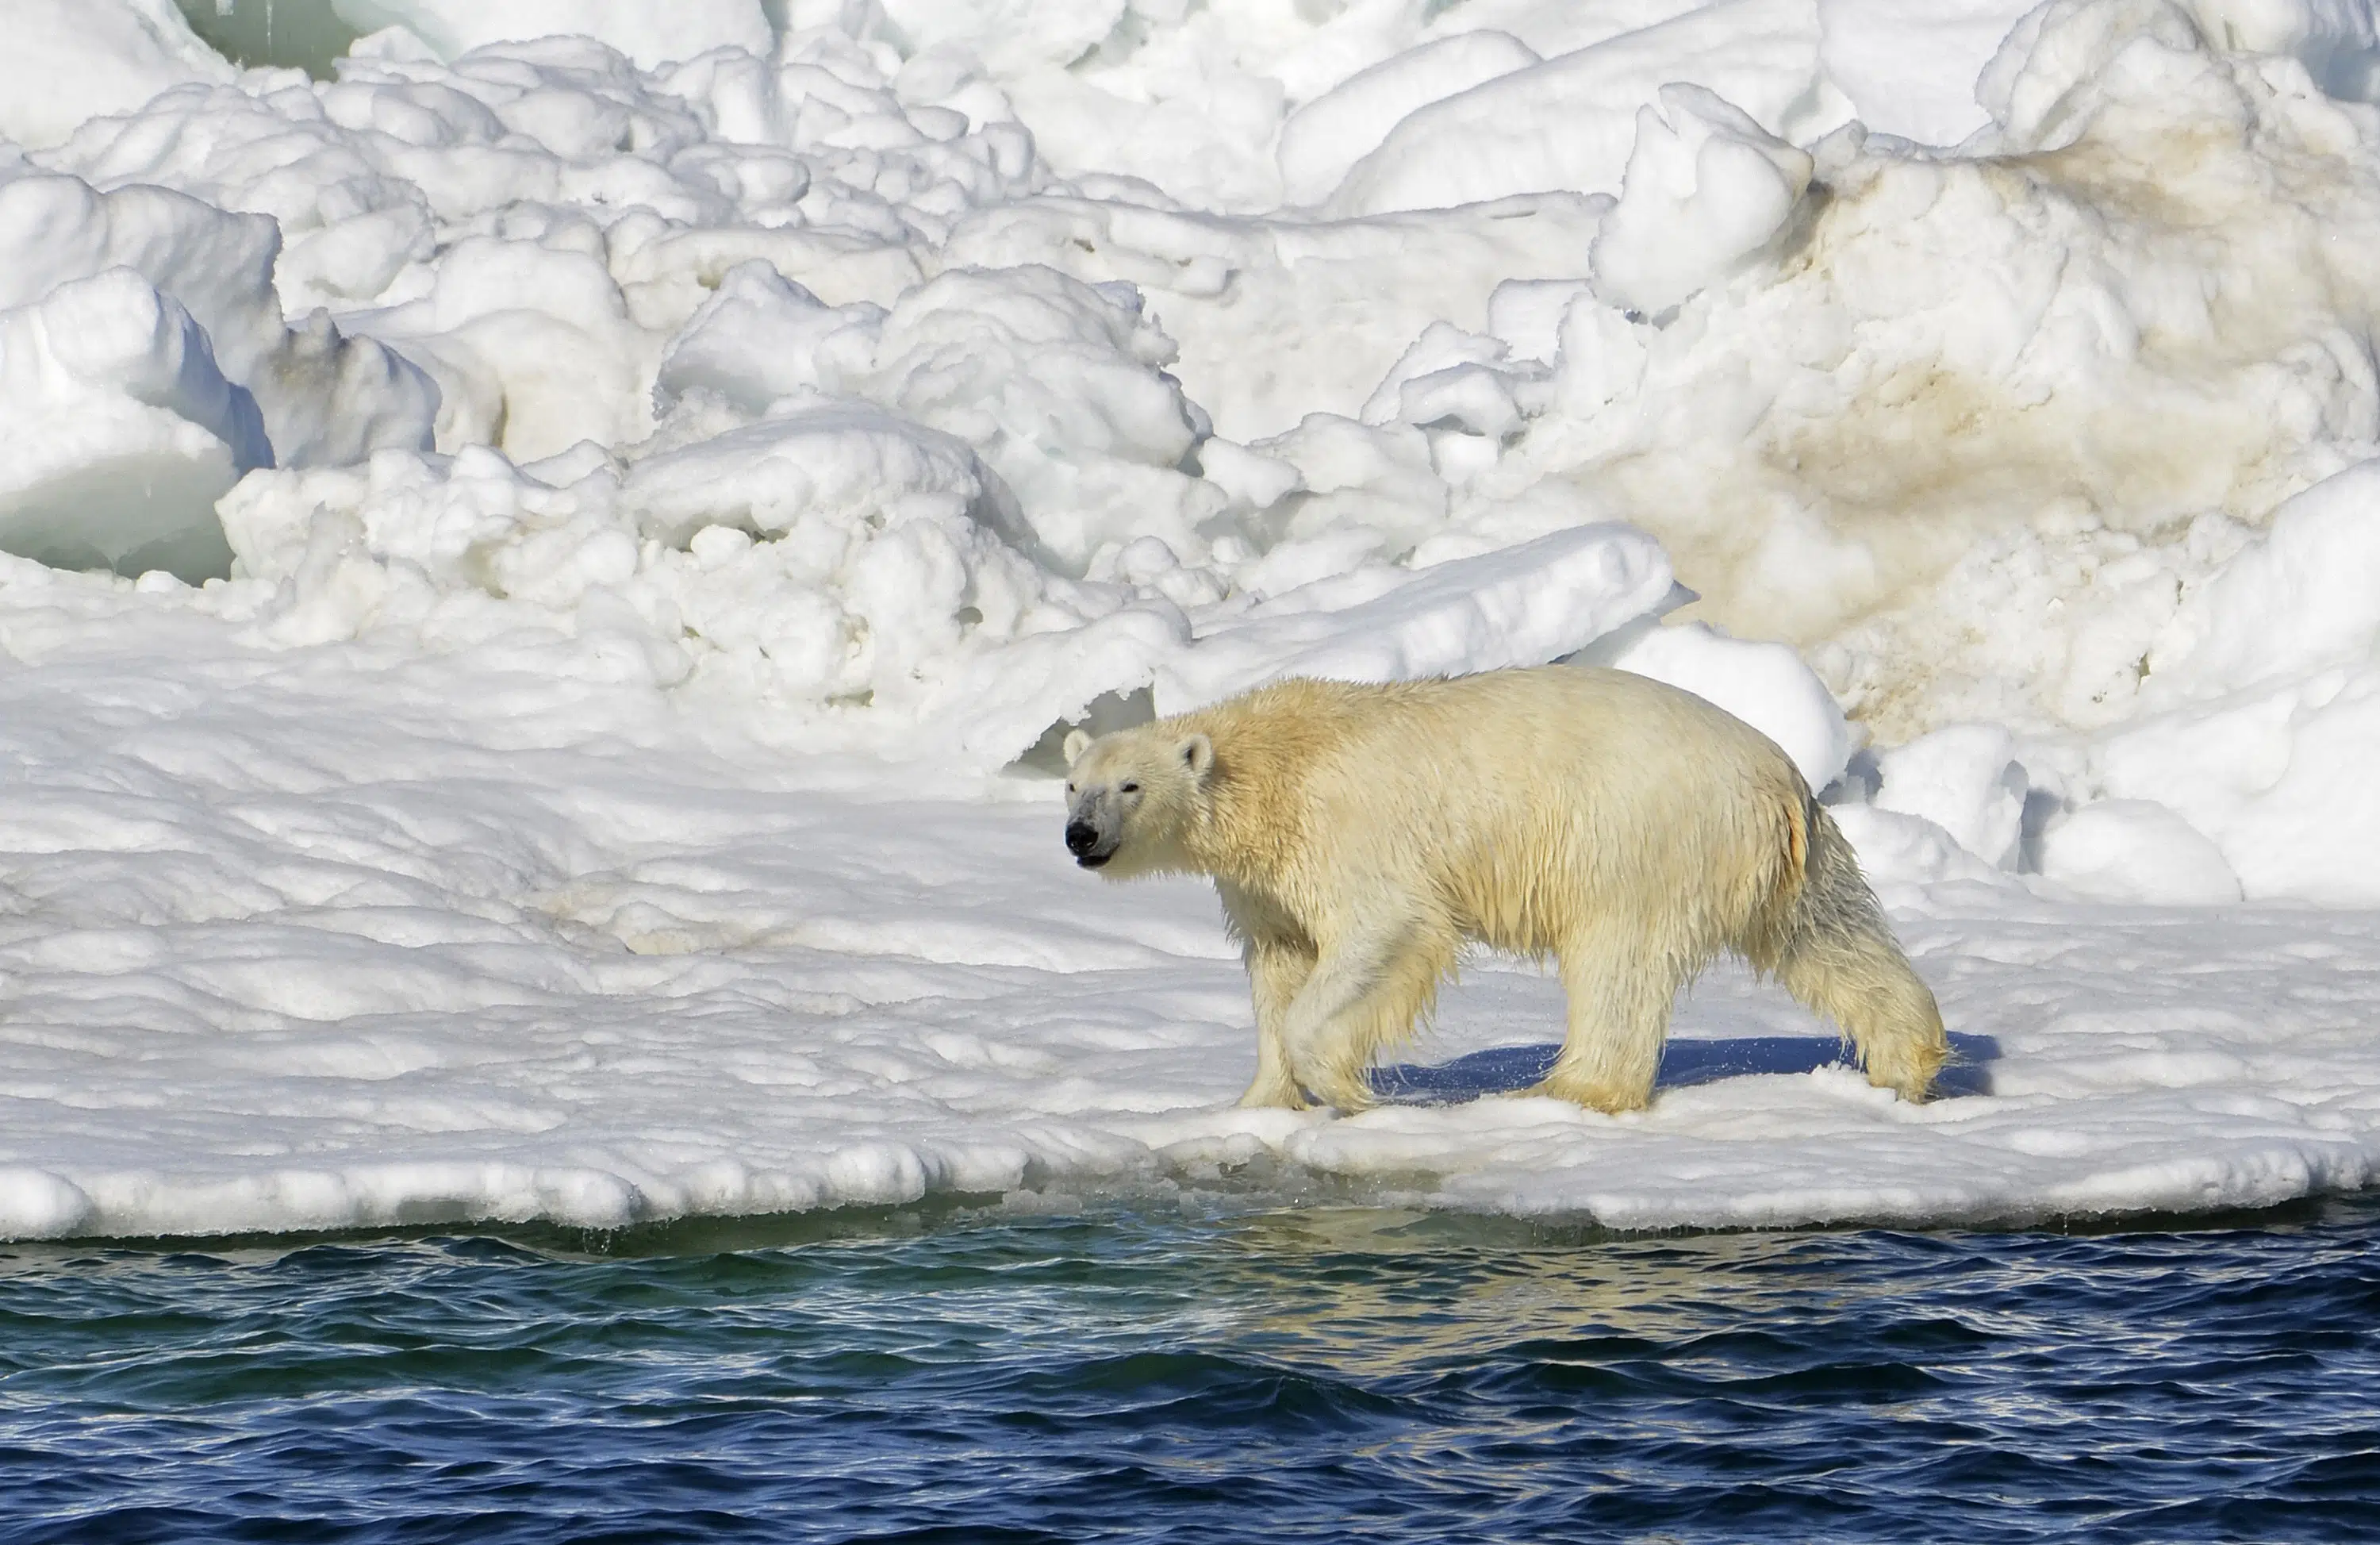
{"x": 652, "y": 38}
{"x": 1706, "y": 189}
{"x": 2263, "y": 704}
{"x": 842, "y": 577}
{"x": 1569, "y": 122}
{"x": 341, "y": 937}
{"x": 647, "y": 480}
{"x": 117, "y": 432}
{"x": 70, "y": 61}
{"x": 1328, "y": 135}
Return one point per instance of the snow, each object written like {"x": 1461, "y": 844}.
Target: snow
{"x": 111, "y": 402}
{"x": 1569, "y": 122}
{"x": 314, "y": 938}
{"x": 1965, "y": 779}
{"x": 1706, "y": 188}
{"x": 651, "y": 37}
{"x": 1322, "y": 139}
{"x": 2135, "y": 850}
{"x": 1910, "y": 70}
{"x": 610, "y": 517}
{"x": 75, "y": 59}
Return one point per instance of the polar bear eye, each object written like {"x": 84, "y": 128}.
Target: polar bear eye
{"x": 1131, "y": 789}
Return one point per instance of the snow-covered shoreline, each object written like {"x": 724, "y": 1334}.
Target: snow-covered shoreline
{"x": 602, "y": 519}
{"x": 298, "y": 939}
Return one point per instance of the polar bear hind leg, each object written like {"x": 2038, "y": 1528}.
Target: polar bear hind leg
{"x": 1838, "y": 955}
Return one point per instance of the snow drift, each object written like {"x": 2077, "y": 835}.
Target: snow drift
{"x": 1982, "y": 402}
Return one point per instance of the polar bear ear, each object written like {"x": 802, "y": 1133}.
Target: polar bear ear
{"x": 1198, "y": 755}
{"x": 1078, "y": 742}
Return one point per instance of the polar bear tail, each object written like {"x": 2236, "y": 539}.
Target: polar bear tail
{"x": 1839, "y": 956}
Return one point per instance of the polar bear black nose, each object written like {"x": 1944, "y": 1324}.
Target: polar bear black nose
{"x": 1081, "y": 837}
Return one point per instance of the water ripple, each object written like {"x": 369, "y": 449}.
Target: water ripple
{"x": 1284, "y": 1375}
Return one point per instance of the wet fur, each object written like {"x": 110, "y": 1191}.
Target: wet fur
{"x": 1360, "y": 835}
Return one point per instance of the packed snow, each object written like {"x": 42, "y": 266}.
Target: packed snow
{"x": 542, "y": 572}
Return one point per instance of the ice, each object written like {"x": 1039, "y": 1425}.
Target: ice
{"x": 2135, "y": 850}
{"x": 1910, "y": 70}
{"x": 117, "y": 432}
{"x": 1965, "y": 779}
{"x": 147, "y": 365}
{"x": 1524, "y": 605}
{"x": 616, "y": 516}
{"x": 2259, "y": 705}
{"x": 2302, "y": 598}
{"x": 70, "y": 61}
{"x": 761, "y": 337}
{"x": 335, "y": 936}
{"x": 1340, "y": 301}
{"x": 1569, "y": 123}
{"x": 648, "y": 35}
{"x": 1707, "y": 187}
{"x": 1323, "y": 138}
{"x": 1767, "y": 686}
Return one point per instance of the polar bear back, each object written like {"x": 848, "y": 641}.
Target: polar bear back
{"x": 1525, "y": 804}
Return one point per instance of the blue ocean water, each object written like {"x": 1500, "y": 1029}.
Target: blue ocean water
{"x": 1160, "y": 1374}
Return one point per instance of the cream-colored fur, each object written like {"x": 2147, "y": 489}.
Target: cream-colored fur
{"x": 1360, "y": 834}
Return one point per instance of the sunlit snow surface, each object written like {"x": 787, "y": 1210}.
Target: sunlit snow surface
{"x": 645, "y": 506}
{"x": 303, "y": 938}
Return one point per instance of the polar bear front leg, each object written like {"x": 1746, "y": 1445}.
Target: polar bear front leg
{"x": 1277, "y": 968}
{"x": 1366, "y": 989}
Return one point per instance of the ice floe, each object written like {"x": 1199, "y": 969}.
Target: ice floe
{"x": 607, "y": 519}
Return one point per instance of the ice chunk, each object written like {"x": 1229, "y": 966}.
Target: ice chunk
{"x": 1965, "y": 779}
{"x": 115, "y": 330}
{"x": 1280, "y": 319}
{"x": 1010, "y": 35}
{"x": 1060, "y": 386}
{"x": 648, "y": 34}
{"x": 1767, "y": 686}
{"x": 70, "y": 61}
{"x": 38, "y": 1204}
{"x": 1328, "y": 135}
{"x": 1896, "y": 849}
{"x": 1371, "y": 484}
{"x": 532, "y": 345}
{"x": 1528, "y": 604}
{"x": 117, "y": 432}
{"x": 762, "y": 337}
{"x": 2276, "y": 777}
{"x": 2304, "y": 596}
{"x": 349, "y": 223}
{"x": 2135, "y": 850}
{"x": 1568, "y": 123}
{"x": 833, "y": 467}
{"x": 1447, "y": 374}
{"x": 1260, "y": 482}
{"x": 1706, "y": 189}
{"x": 2067, "y": 61}
{"x": 2337, "y": 40}
{"x": 1912, "y": 70}
{"x": 1527, "y": 315}
{"x": 322, "y": 395}
{"x": 2262, "y": 704}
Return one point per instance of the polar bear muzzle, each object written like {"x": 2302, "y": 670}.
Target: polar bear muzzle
{"x": 1083, "y": 842}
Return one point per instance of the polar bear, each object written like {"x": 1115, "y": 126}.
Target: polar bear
{"x": 1360, "y": 834}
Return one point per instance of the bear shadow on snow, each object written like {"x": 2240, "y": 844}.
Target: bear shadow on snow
{"x": 1508, "y": 1069}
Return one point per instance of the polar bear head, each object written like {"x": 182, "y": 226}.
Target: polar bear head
{"x": 1130, "y": 796}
